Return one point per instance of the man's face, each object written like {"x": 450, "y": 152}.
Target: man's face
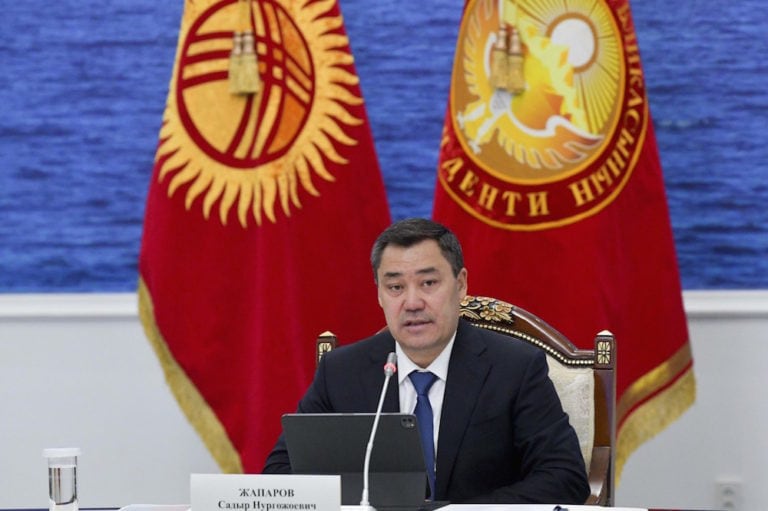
{"x": 420, "y": 297}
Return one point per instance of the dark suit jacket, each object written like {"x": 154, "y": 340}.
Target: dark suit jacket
{"x": 504, "y": 437}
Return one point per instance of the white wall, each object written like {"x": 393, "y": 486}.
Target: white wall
{"x": 76, "y": 370}
{"x": 724, "y": 435}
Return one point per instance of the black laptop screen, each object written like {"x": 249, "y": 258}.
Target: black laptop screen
{"x": 336, "y": 444}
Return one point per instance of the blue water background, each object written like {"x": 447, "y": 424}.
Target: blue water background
{"x": 84, "y": 83}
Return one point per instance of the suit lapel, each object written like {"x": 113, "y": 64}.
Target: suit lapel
{"x": 467, "y": 372}
{"x": 372, "y": 376}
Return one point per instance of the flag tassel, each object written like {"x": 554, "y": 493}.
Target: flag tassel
{"x": 515, "y": 79}
{"x": 249, "y": 67}
{"x": 235, "y": 63}
{"x": 507, "y": 61}
{"x": 499, "y": 62}
{"x": 243, "y": 63}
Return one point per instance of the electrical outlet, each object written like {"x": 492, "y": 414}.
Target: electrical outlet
{"x": 728, "y": 494}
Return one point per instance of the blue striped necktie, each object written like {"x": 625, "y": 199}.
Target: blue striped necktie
{"x": 422, "y": 381}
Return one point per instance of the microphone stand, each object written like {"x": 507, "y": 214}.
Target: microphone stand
{"x": 389, "y": 369}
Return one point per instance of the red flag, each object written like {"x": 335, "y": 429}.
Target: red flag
{"x": 265, "y": 200}
{"x": 549, "y": 174}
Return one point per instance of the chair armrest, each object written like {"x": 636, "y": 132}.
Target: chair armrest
{"x": 598, "y": 476}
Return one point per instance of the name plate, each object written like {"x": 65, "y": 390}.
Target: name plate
{"x": 265, "y": 492}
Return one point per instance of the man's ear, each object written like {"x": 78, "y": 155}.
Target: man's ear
{"x": 462, "y": 278}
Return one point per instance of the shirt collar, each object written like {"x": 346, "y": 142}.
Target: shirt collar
{"x": 439, "y": 366}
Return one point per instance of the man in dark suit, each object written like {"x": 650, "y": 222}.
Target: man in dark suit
{"x": 500, "y": 432}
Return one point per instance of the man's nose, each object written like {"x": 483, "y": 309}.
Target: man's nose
{"x": 413, "y": 299}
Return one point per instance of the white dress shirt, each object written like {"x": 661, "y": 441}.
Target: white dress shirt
{"x": 439, "y": 367}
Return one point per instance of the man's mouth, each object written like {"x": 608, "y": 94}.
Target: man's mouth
{"x": 415, "y": 322}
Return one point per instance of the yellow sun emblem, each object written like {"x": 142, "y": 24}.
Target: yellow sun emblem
{"x": 250, "y": 152}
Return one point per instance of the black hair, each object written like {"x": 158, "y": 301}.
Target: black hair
{"x": 411, "y": 231}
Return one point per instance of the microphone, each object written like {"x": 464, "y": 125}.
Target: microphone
{"x": 390, "y": 368}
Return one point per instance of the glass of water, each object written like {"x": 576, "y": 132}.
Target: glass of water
{"x": 62, "y": 478}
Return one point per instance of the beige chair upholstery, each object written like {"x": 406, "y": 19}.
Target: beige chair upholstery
{"x": 584, "y": 380}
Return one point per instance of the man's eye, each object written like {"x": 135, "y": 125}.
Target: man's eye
{"x": 429, "y": 283}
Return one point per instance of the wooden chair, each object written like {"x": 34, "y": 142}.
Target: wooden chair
{"x": 584, "y": 379}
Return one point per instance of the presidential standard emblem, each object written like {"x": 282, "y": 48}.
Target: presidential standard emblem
{"x": 547, "y": 111}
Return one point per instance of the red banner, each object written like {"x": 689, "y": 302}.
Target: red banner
{"x": 549, "y": 174}
{"x": 265, "y": 199}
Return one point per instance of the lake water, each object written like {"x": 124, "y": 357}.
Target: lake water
{"x": 84, "y": 84}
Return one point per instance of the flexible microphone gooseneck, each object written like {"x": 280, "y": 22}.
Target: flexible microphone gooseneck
{"x": 390, "y": 368}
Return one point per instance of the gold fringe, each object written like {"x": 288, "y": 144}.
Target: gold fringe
{"x": 654, "y": 416}
{"x": 652, "y": 381}
{"x": 191, "y": 402}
